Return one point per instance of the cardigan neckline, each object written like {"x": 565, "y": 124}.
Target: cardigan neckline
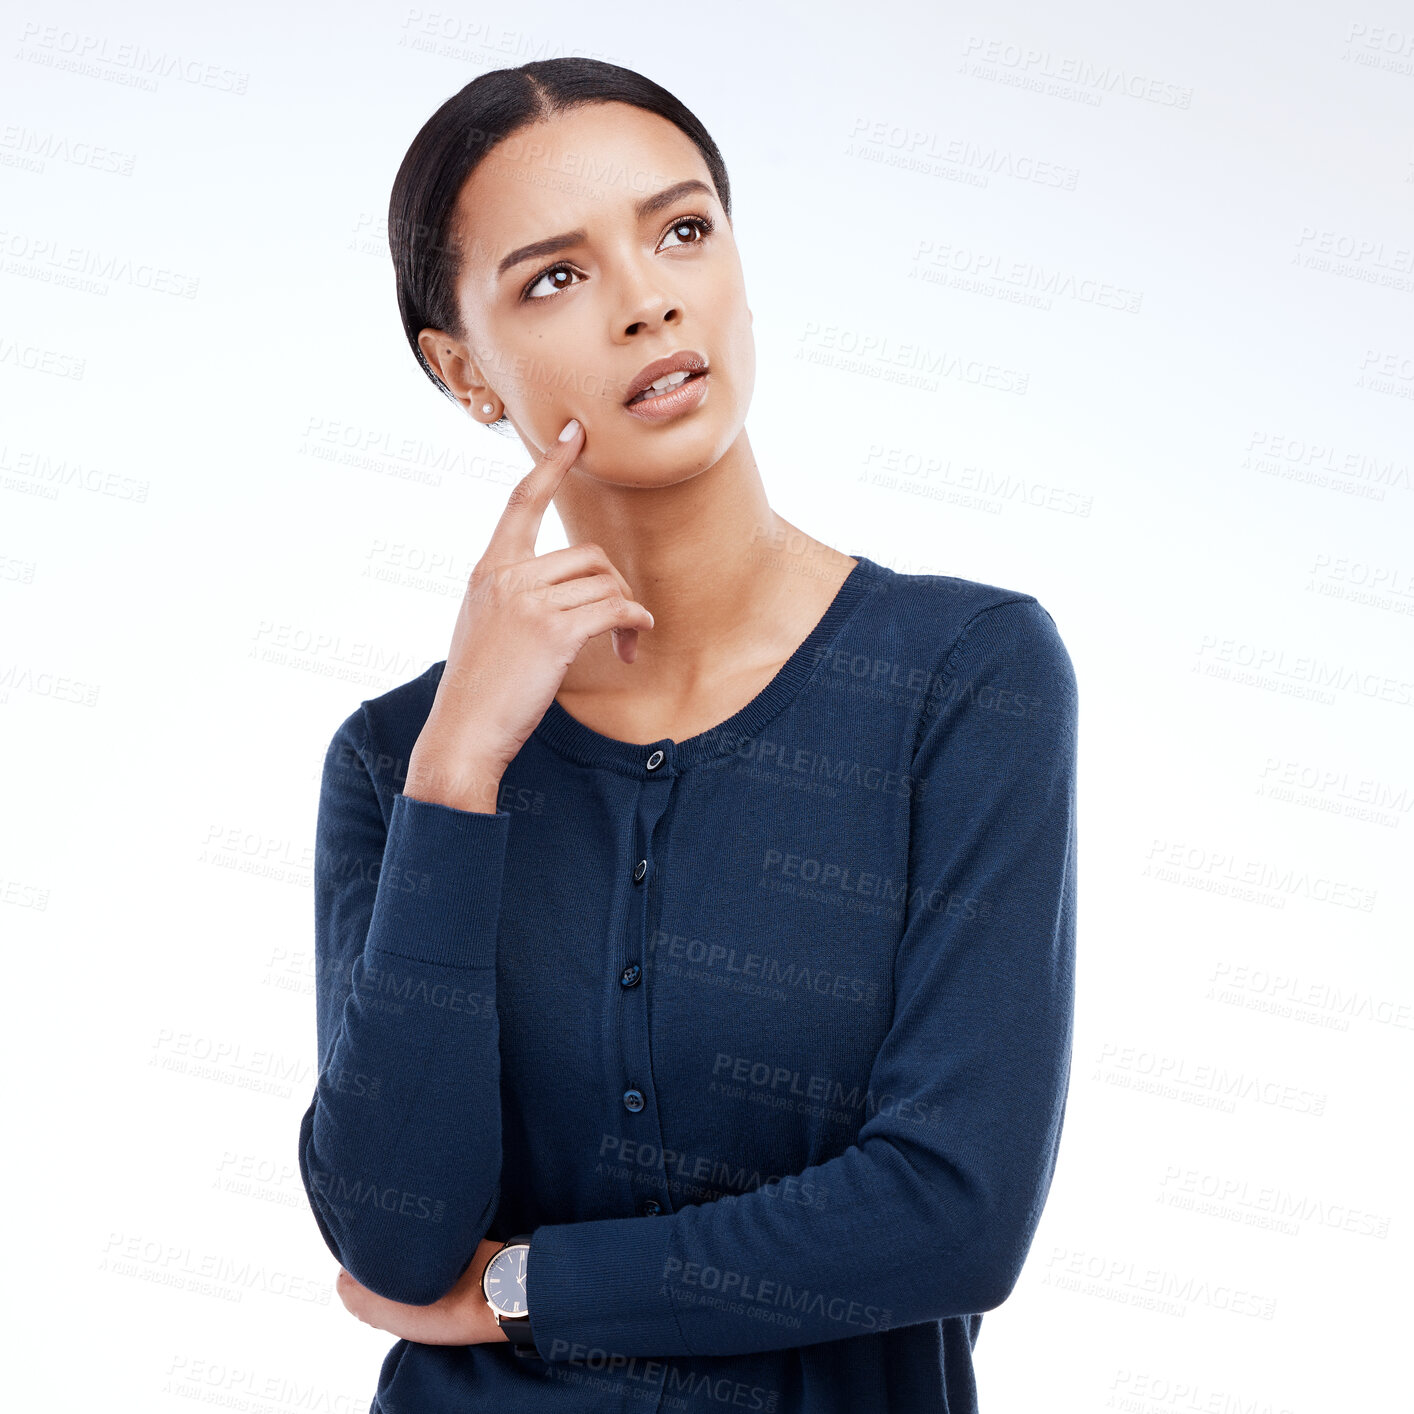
{"x": 570, "y": 737}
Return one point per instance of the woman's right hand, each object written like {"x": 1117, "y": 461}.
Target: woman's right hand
{"x": 522, "y": 622}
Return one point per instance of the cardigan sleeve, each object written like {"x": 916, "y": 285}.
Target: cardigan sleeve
{"x": 400, "y": 1148}
{"x": 932, "y": 1209}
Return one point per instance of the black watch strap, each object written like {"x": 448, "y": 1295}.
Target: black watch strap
{"x": 517, "y": 1329}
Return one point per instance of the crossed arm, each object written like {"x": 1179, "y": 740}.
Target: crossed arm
{"x": 461, "y": 1317}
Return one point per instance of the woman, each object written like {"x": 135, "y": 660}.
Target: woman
{"x": 695, "y": 985}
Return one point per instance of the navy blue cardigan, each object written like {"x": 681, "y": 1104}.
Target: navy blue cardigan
{"x": 764, "y": 1035}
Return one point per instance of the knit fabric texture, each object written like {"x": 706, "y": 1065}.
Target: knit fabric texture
{"x": 764, "y": 1035}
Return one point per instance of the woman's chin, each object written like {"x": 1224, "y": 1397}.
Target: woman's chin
{"x": 651, "y": 458}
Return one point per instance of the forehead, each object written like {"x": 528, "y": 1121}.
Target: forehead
{"x": 586, "y": 167}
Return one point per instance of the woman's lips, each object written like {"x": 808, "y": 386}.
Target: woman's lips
{"x": 659, "y": 407}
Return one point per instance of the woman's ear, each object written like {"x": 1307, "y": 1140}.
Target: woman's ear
{"x": 448, "y": 359}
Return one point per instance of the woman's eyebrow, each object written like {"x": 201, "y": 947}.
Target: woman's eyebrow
{"x": 536, "y": 249}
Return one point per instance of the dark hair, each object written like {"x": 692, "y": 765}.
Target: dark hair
{"x": 453, "y": 142}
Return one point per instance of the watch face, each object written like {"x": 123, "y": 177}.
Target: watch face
{"x": 503, "y": 1281}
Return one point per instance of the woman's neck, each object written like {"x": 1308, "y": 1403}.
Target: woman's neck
{"x": 730, "y": 584}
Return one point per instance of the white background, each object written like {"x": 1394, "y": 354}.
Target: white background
{"x": 1111, "y": 307}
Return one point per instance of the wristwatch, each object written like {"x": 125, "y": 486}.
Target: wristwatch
{"x": 503, "y": 1285}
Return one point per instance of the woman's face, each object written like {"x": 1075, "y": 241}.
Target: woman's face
{"x": 559, "y": 333}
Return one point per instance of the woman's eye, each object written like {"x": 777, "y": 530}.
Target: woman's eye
{"x": 558, "y": 278}
{"x": 701, "y": 224}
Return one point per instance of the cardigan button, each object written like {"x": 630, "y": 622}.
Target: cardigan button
{"x": 655, "y": 760}
{"x": 630, "y": 975}
{"x": 633, "y": 1100}
{"x": 649, "y": 1208}
{"x": 639, "y": 870}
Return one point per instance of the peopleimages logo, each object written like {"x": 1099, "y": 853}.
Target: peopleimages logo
{"x": 690, "y": 1278}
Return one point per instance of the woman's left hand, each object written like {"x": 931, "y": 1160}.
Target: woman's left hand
{"x": 461, "y": 1317}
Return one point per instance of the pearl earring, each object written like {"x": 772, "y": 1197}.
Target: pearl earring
{"x": 487, "y": 408}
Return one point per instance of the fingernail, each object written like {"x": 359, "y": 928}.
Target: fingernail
{"x": 570, "y": 428}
